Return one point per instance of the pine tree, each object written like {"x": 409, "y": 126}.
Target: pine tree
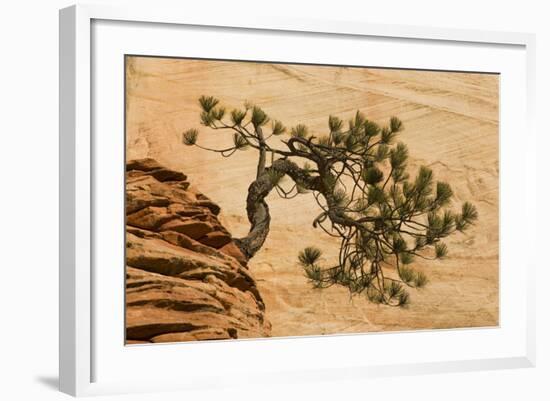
{"x": 358, "y": 176}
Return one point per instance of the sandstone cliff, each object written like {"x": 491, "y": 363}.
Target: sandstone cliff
{"x": 185, "y": 277}
{"x": 451, "y": 125}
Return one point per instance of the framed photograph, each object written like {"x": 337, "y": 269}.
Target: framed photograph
{"x": 292, "y": 199}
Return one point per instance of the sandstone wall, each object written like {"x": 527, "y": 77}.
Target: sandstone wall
{"x": 185, "y": 278}
{"x": 451, "y": 125}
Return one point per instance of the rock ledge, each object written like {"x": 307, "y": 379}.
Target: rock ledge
{"x": 185, "y": 277}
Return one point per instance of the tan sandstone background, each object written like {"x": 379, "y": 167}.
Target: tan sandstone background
{"x": 451, "y": 125}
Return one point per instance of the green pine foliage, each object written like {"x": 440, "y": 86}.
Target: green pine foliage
{"x": 299, "y": 131}
{"x": 406, "y": 274}
{"x": 190, "y": 136}
{"x": 277, "y": 128}
{"x": 237, "y": 116}
{"x": 239, "y": 141}
{"x": 309, "y": 256}
{"x": 440, "y": 250}
{"x": 259, "y": 117}
{"x": 208, "y": 103}
{"x": 389, "y": 218}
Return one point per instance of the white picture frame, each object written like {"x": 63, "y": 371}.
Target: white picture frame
{"x": 79, "y": 346}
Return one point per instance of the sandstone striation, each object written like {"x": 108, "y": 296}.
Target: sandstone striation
{"x": 451, "y": 124}
{"x": 185, "y": 277}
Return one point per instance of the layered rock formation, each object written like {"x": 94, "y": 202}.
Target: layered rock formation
{"x": 451, "y": 124}
{"x": 185, "y": 277}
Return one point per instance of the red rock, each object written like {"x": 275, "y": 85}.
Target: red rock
{"x": 191, "y": 228}
{"x": 147, "y": 164}
{"x": 203, "y": 334}
{"x": 139, "y": 199}
{"x": 215, "y": 239}
{"x": 186, "y": 210}
{"x": 184, "y": 184}
{"x": 215, "y": 209}
{"x": 150, "y": 218}
{"x": 233, "y": 250}
{"x": 179, "y": 286}
{"x": 164, "y": 174}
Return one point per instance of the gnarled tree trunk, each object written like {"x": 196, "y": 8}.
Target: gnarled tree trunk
{"x": 257, "y": 208}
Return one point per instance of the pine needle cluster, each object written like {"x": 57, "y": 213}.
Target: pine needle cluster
{"x": 386, "y": 216}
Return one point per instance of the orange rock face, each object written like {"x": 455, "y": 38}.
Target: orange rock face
{"x": 186, "y": 280}
{"x": 451, "y": 125}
